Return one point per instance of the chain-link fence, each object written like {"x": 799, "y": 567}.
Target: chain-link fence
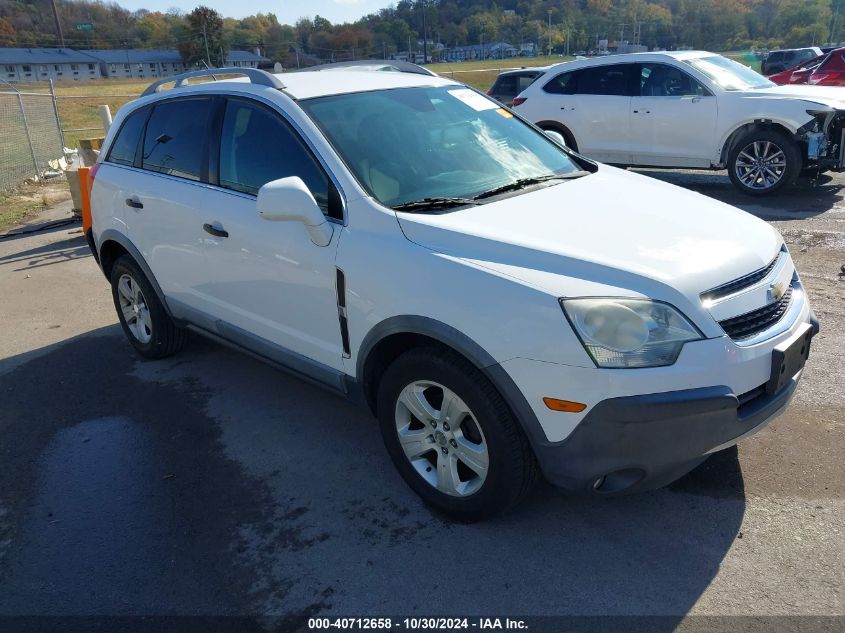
{"x": 30, "y": 135}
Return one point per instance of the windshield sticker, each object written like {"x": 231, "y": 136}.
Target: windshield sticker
{"x": 473, "y": 99}
{"x": 504, "y": 113}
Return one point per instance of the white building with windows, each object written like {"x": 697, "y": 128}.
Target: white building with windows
{"x": 21, "y": 65}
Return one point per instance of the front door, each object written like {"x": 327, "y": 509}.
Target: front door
{"x": 269, "y": 283}
{"x": 673, "y": 119}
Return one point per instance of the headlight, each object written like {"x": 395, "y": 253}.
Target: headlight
{"x": 629, "y": 332}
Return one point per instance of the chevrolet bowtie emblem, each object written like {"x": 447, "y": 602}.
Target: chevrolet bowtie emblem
{"x": 777, "y": 290}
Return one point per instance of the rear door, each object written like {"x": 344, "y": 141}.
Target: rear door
{"x": 151, "y": 185}
{"x": 599, "y": 111}
{"x": 673, "y": 119}
{"x": 168, "y": 190}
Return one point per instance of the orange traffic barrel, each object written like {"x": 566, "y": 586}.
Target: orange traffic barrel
{"x": 85, "y": 190}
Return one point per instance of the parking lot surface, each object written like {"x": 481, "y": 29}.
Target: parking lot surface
{"x": 211, "y": 484}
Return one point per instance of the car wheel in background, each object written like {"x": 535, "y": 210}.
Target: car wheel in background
{"x": 142, "y": 316}
{"x": 452, "y": 437}
{"x": 762, "y": 162}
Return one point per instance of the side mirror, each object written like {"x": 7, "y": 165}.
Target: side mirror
{"x": 557, "y": 137}
{"x": 288, "y": 199}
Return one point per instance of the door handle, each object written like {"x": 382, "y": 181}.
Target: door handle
{"x": 215, "y": 231}
{"x": 134, "y": 203}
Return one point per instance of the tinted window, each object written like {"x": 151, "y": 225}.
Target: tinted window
{"x": 603, "y": 80}
{"x": 257, "y": 146}
{"x": 660, "y": 80}
{"x": 505, "y": 85}
{"x": 126, "y": 143}
{"x": 175, "y": 138}
{"x": 563, "y": 84}
{"x": 523, "y": 81}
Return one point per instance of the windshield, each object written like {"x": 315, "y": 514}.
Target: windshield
{"x": 728, "y": 74}
{"x": 414, "y": 144}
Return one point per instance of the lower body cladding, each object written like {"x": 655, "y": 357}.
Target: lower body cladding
{"x": 643, "y": 440}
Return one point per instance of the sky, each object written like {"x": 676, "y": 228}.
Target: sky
{"x": 287, "y": 11}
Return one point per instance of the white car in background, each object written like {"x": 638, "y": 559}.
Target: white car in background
{"x": 690, "y": 109}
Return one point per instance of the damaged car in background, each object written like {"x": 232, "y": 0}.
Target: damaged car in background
{"x": 692, "y": 110}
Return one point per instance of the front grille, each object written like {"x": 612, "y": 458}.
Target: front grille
{"x": 743, "y": 282}
{"x": 751, "y": 323}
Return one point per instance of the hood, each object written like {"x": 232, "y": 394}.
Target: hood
{"x": 611, "y": 228}
{"x": 826, "y": 95}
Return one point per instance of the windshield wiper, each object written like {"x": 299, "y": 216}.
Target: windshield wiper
{"x": 434, "y": 203}
{"x": 522, "y": 183}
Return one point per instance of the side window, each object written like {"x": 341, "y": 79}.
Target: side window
{"x": 660, "y": 80}
{"x": 176, "y": 136}
{"x": 524, "y": 81}
{"x": 609, "y": 80}
{"x": 563, "y": 84}
{"x": 257, "y": 146}
{"x": 126, "y": 142}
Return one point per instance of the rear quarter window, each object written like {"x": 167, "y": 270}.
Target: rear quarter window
{"x": 562, "y": 84}
{"x": 125, "y": 144}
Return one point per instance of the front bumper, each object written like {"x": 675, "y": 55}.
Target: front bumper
{"x": 642, "y": 442}
{"x": 628, "y": 441}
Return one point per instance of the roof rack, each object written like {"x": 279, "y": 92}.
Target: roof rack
{"x": 255, "y": 75}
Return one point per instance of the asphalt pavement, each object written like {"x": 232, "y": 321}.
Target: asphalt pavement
{"x": 211, "y": 484}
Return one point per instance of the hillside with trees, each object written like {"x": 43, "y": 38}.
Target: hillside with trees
{"x": 717, "y": 25}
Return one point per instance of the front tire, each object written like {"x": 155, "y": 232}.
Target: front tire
{"x": 452, "y": 437}
{"x": 763, "y": 162}
{"x": 142, "y": 316}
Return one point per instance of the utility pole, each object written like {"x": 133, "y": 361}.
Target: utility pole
{"x": 58, "y": 24}
{"x": 205, "y": 37}
{"x": 425, "y": 37}
{"x": 550, "y": 32}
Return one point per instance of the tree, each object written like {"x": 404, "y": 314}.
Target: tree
{"x": 7, "y": 33}
{"x": 204, "y": 42}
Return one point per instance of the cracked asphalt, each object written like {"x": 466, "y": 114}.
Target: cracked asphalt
{"x": 211, "y": 484}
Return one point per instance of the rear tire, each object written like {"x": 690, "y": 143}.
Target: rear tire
{"x": 142, "y": 316}
{"x": 763, "y": 162}
{"x": 468, "y": 459}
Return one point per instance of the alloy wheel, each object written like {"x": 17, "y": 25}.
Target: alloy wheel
{"x": 441, "y": 438}
{"x": 134, "y": 308}
{"x": 760, "y": 165}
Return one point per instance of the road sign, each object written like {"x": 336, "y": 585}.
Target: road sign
{"x": 85, "y": 26}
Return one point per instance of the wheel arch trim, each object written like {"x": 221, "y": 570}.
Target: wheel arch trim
{"x": 112, "y": 235}
{"x": 749, "y": 125}
{"x": 467, "y": 347}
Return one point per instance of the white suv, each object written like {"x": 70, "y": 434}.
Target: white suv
{"x": 503, "y": 305}
{"x": 691, "y": 109}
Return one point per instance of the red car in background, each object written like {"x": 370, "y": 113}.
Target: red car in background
{"x": 831, "y": 72}
{"x": 824, "y": 70}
